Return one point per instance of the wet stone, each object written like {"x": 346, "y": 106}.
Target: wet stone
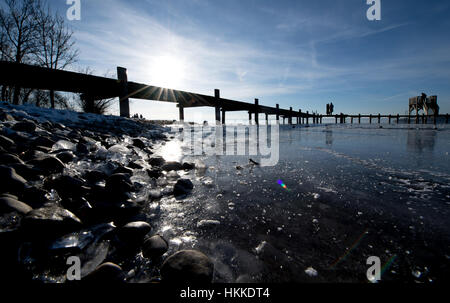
{"x": 43, "y": 141}
{"x": 25, "y": 126}
{"x": 187, "y": 266}
{"x": 106, "y": 273}
{"x": 154, "y": 173}
{"x": 48, "y": 165}
{"x": 65, "y": 156}
{"x": 11, "y": 182}
{"x": 6, "y": 142}
{"x": 26, "y": 171}
{"x": 94, "y": 176}
{"x": 156, "y": 161}
{"x": 9, "y": 159}
{"x": 139, "y": 143}
{"x": 188, "y": 166}
{"x": 172, "y": 165}
{"x": 183, "y": 187}
{"x": 9, "y": 204}
{"x": 134, "y": 231}
{"x": 118, "y": 183}
{"x": 154, "y": 246}
{"x": 66, "y": 185}
{"x": 123, "y": 170}
{"x": 50, "y": 221}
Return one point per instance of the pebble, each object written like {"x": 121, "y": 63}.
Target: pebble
{"x": 183, "y": 187}
{"x": 50, "y": 221}
{"x": 11, "y": 182}
{"x": 25, "y": 126}
{"x": 187, "y": 266}
{"x": 10, "y": 204}
{"x": 172, "y": 165}
{"x": 154, "y": 246}
{"x": 134, "y": 231}
{"x": 311, "y": 272}
{"x": 106, "y": 273}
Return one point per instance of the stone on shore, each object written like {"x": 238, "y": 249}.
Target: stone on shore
{"x": 156, "y": 161}
{"x": 172, "y": 165}
{"x": 187, "y": 266}
{"x": 183, "y": 187}
{"x": 106, "y": 273}
{"x": 10, "y": 204}
{"x": 50, "y": 221}
{"x": 154, "y": 247}
{"x": 11, "y": 182}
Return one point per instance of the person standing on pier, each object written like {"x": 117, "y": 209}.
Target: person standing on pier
{"x": 328, "y": 109}
{"x": 331, "y": 108}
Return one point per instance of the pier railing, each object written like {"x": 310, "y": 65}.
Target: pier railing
{"x": 95, "y": 88}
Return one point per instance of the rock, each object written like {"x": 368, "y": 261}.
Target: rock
{"x": 156, "y": 161}
{"x": 154, "y": 247}
{"x": 95, "y": 176}
{"x": 154, "y": 194}
{"x": 172, "y": 165}
{"x": 187, "y": 266}
{"x": 9, "y": 159}
{"x": 6, "y": 117}
{"x": 154, "y": 173}
{"x": 183, "y": 187}
{"x": 134, "y": 231}
{"x": 82, "y": 148}
{"x": 43, "y": 141}
{"x": 50, "y": 221}
{"x": 119, "y": 183}
{"x": 34, "y": 196}
{"x": 65, "y": 156}
{"x": 106, "y": 273}
{"x": 9, "y": 204}
{"x": 139, "y": 143}
{"x": 188, "y": 166}
{"x": 27, "y": 171}
{"x": 123, "y": 170}
{"x": 66, "y": 186}
{"x": 25, "y": 126}
{"x": 6, "y": 142}
{"x": 48, "y": 165}
{"x": 207, "y": 223}
{"x": 11, "y": 182}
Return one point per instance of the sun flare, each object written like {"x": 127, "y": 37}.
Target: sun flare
{"x": 167, "y": 71}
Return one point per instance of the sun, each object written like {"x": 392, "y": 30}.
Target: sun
{"x": 167, "y": 71}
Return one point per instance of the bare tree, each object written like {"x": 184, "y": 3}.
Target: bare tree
{"x": 55, "y": 45}
{"x": 18, "y": 30}
{"x": 89, "y": 105}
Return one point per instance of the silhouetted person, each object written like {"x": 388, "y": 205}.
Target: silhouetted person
{"x": 331, "y": 108}
{"x": 328, "y": 109}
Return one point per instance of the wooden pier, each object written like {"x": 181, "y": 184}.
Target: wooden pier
{"x": 95, "y": 88}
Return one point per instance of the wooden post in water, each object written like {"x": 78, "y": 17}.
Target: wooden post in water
{"x": 307, "y": 117}
{"x": 250, "y": 118}
{"x": 124, "y": 103}
{"x": 389, "y": 119}
{"x": 278, "y": 113}
{"x": 257, "y": 111}
{"x": 379, "y": 118}
{"x": 217, "y": 105}
{"x": 181, "y": 112}
{"x": 398, "y": 118}
{"x": 423, "y": 118}
{"x": 335, "y": 117}
{"x": 267, "y": 119}
{"x": 359, "y": 118}
{"x": 409, "y": 118}
{"x": 223, "y": 115}
{"x": 446, "y": 118}
{"x": 370, "y": 119}
{"x": 351, "y": 119}
{"x": 290, "y": 116}
{"x": 300, "y": 116}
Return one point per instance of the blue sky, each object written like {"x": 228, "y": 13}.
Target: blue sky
{"x": 302, "y": 54}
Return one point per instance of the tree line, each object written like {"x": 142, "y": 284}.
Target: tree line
{"x": 32, "y": 33}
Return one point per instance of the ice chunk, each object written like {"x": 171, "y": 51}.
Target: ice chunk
{"x": 63, "y": 144}
{"x": 207, "y": 223}
{"x": 311, "y": 272}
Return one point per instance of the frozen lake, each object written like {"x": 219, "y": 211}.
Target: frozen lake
{"x": 349, "y": 192}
